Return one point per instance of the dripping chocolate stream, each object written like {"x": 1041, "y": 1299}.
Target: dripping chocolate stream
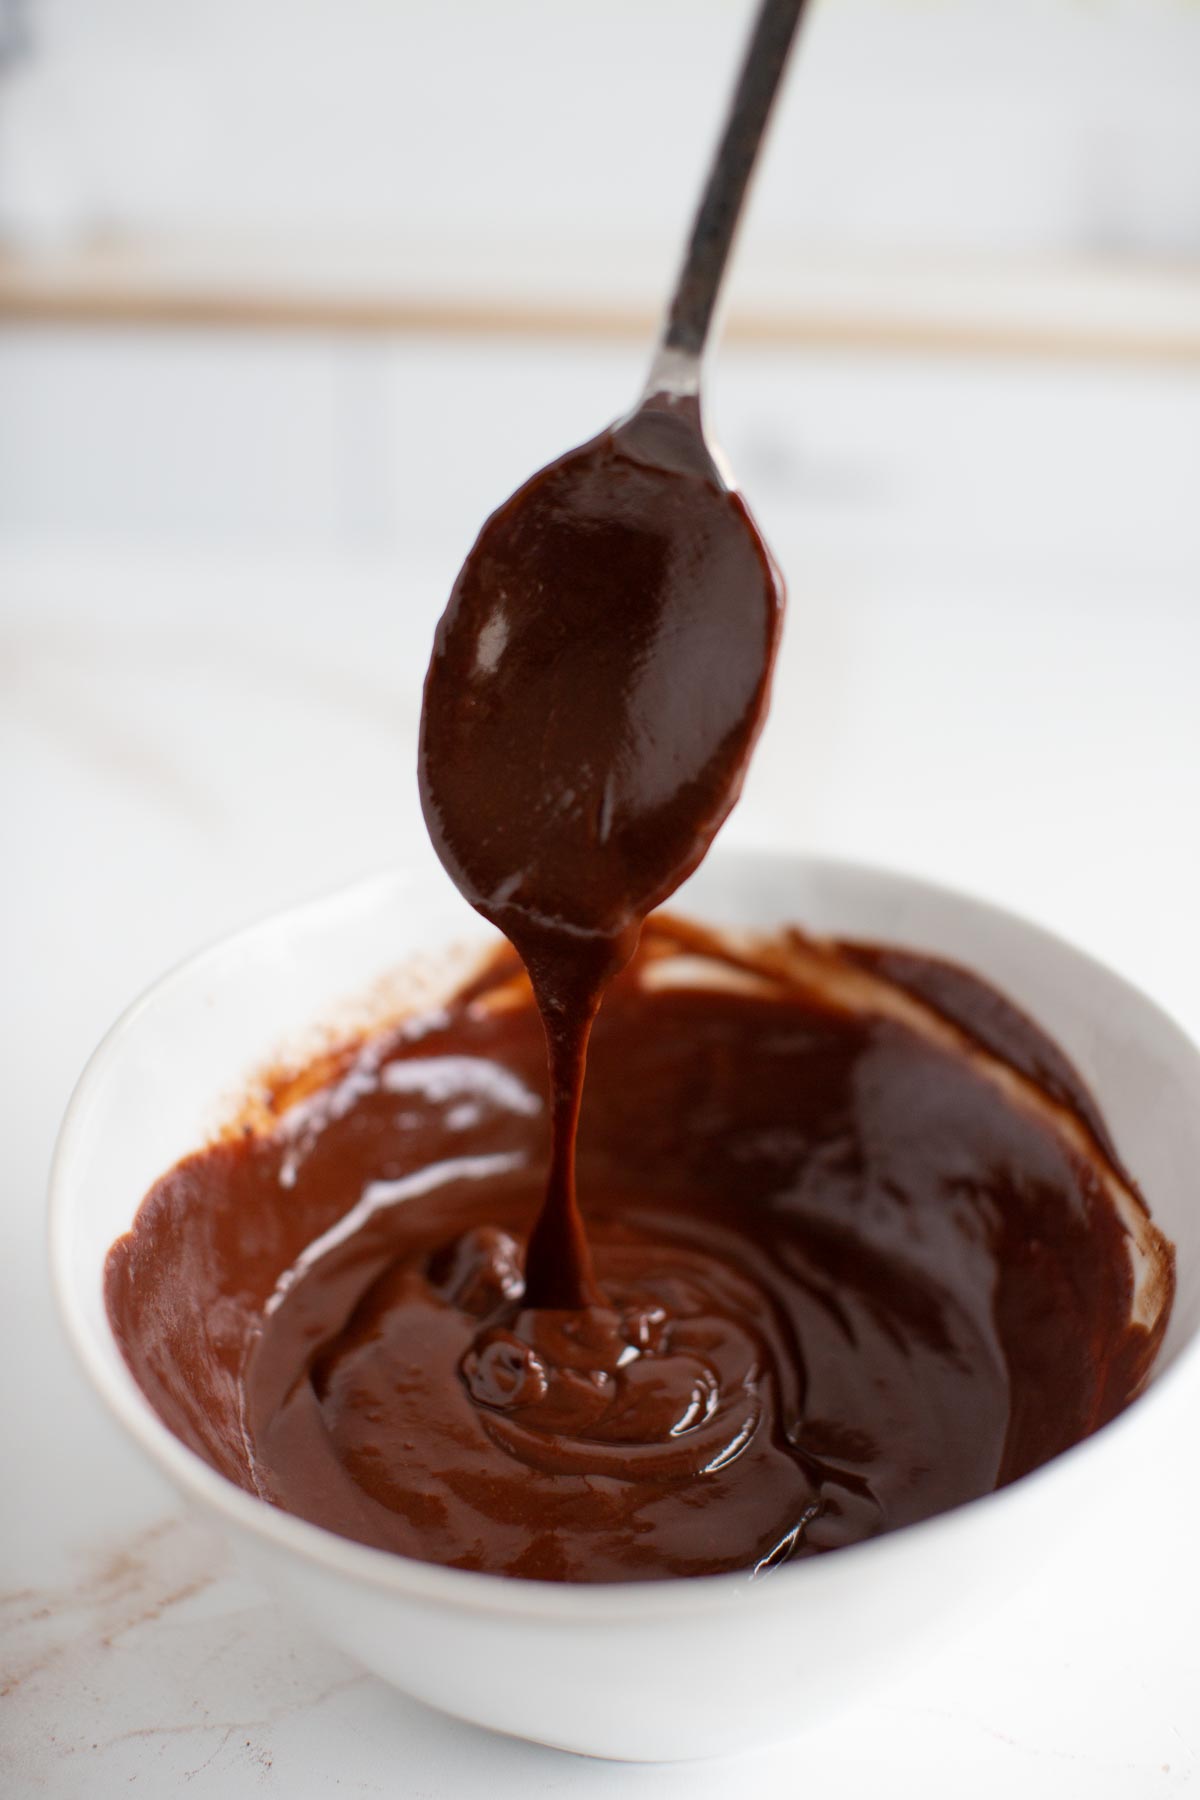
{"x": 597, "y": 684}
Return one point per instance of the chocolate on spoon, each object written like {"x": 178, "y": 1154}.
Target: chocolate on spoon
{"x": 600, "y": 676}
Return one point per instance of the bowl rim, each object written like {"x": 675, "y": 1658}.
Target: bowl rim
{"x": 390, "y": 1572}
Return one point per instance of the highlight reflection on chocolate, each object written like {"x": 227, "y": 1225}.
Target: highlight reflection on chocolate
{"x": 863, "y": 1250}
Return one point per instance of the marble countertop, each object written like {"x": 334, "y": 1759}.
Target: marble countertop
{"x": 991, "y": 680}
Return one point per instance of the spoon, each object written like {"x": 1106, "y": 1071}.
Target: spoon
{"x": 600, "y": 676}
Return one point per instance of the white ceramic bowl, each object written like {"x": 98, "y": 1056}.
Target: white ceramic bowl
{"x": 657, "y": 1670}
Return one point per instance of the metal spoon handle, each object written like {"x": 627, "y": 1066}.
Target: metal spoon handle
{"x": 675, "y": 368}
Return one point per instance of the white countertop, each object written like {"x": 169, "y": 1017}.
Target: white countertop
{"x": 990, "y": 676}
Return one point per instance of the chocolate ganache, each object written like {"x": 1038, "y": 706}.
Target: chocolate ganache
{"x": 862, "y": 1248}
{"x": 857, "y": 1245}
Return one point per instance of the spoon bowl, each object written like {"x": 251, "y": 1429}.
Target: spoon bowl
{"x": 598, "y": 680}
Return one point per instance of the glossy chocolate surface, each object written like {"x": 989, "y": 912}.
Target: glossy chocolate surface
{"x": 862, "y": 1252}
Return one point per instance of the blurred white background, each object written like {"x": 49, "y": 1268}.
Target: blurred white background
{"x": 290, "y": 297}
{"x": 945, "y": 177}
{"x": 477, "y": 132}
